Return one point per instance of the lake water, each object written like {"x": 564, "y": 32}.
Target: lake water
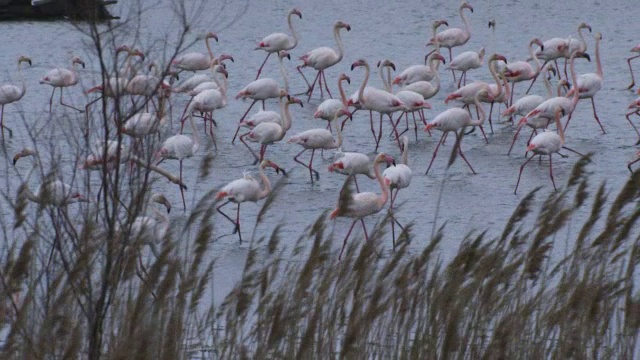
{"x": 380, "y": 29}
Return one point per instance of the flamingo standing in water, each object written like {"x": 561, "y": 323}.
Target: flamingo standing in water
{"x": 398, "y": 177}
{"x": 377, "y": 100}
{"x": 322, "y": 58}
{"x": 277, "y": 42}
{"x": 633, "y": 161}
{"x": 316, "y": 139}
{"x": 195, "y": 61}
{"x": 454, "y": 37}
{"x": 521, "y": 70}
{"x": 328, "y": 108}
{"x": 466, "y": 61}
{"x": 455, "y": 119}
{"x": 420, "y": 72}
{"x": 546, "y": 143}
{"x": 635, "y": 49}
{"x": 245, "y": 189}
{"x": 589, "y": 84}
{"x": 635, "y": 109}
{"x": 10, "y": 93}
{"x": 62, "y": 78}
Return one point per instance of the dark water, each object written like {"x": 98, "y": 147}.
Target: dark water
{"x": 380, "y": 29}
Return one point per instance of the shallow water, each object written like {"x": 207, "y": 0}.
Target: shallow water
{"x": 380, "y": 29}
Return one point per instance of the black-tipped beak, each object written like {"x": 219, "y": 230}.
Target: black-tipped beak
{"x": 29, "y": 61}
{"x": 348, "y": 27}
{"x": 352, "y": 67}
{"x": 542, "y": 47}
{"x": 586, "y": 56}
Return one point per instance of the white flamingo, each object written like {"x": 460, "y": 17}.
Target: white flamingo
{"x": 453, "y": 37}
{"x": 363, "y": 204}
{"x": 466, "y": 61}
{"x": 277, "y": 42}
{"x": 419, "y": 72}
{"x": 245, "y": 189}
{"x": 521, "y": 70}
{"x": 62, "y": 78}
{"x": 328, "y": 108}
{"x": 11, "y": 93}
{"x": 322, "y": 58}
{"x": 398, "y": 177}
{"x": 195, "y": 61}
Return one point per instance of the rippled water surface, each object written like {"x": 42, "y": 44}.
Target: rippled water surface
{"x": 380, "y": 29}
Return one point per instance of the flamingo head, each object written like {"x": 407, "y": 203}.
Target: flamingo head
{"x": 268, "y": 163}
{"x": 211, "y": 35}
{"x": 550, "y": 69}
{"x": 138, "y": 53}
{"x": 284, "y": 54}
{"x": 438, "y": 23}
{"x": 77, "y": 197}
{"x": 387, "y": 63}
{"x": 77, "y": 60}
{"x": 496, "y": 57}
{"x": 224, "y": 57}
{"x": 161, "y": 199}
{"x": 24, "y": 152}
{"x": 123, "y": 48}
{"x": 598, "y": 36}
{"x": 222, "y": 71}
{"x": 23, "y": 58}
{"x": 344, "y": 77}
{"x": 295, "y": 12}
{"x": 537, "y": 42}
{"x": 436, "y": 56}
{"x": 584, "y": 25}
{"x": 359, "y": 62}
{"x": 492, "y": 23}
{"x": 636, "y": 49}
{"x": 221, "y": 195}
{"x": 294, "y": 100}
{"x": 580, "y": 54}
{"x": 342, "y": 25}
{"x": 465, "y": 5}
{"x": 344, "y": 112}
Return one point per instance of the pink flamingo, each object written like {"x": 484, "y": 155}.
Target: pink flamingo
{"x": 420, "y": 72}
{"x": 546, "y": 143}
{"x": 322, "y": 58}
{"x": 277, "y": 42}
{"x": 634, "y": 161}
{"x": 61, "y": 78}
{"x": 635, "y": 109}
{"x": 363, "y": 204}
{"x": 635, "y": 49}
{"x": 316, "y": 139}
{"x": 377, "y": 100}
{"x": 398, "y": 177}
{"x": 328, "y": 108}
{"x": 350, "y": 163}
{"x": 268, "y": 133}
{"x": 210, "y": 100}
{"x": 10, "y": 93}
{"x": 521, "y": 70}
{"x": 589, "y": 84}
{"x": 454, "y": 119}
{"x": 195, "y": 61}
{"x": 454, "y": 37}
{"x": 466, "y": 61}
{"x": 245, "y": 189}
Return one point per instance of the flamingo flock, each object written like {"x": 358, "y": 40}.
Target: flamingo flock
{"x": 207, "y": 92}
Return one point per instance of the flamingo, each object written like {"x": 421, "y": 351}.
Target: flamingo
{"x": 521, "y": 70}
{"x": 419, "y": 72}
{"x": 499, "y": 95}
{"x": 454, "y": 119}
{"x": 425, "y": 88}
{"x": 61, "y": 78}
{"x": 147, "y": 85}
{"x": 191, "y": 83}
{"x": 363, "y": 204}
{"x": 316, "y": 139}
{"x": 546, "y": 143}
{"x": 146, "y": 123}
{"x": 151, "y": 229}
{"x": 635, "y": 109}
{"x": 261, "y": 89}
{"x": 55, "y": 193}
{"x": 466, "y": 61}
{"x": 556, "y": 48}
{"x": 454, "y": 37}
{"x": 328, "y": 108}
{"x": 277, "y": 42}
{"x": 180, "y": 147}
{"x": 634, "y": 161}
{"x": 635, "y": 49}
{"x": 268, "y": 133}
{"x": 195, "y": 61}
{"x": 377, "y": 100}
{"x": 210, "y": 100}
{"x": 589, "y": 84}
{"x": 350, "y": 163}
{"x": 11, "y": 93}
{"x": 245, "y": 189}
{"x": 398, "y": 177}
{"x": 322, "y": 58}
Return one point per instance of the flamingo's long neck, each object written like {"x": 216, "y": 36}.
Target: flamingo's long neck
{"x": 547, "y": 85}
{"x": 433, "y": 65}
{"x": 336, "y": 36}
{"x": 343, "y": 96}
{"x": 507, "y": 89}
{"x": 162, "y": 221}
{"x": 480, "y": 108}
{"x": 534, "y": 57}
{"x": 339, "y": 130}
{"x": 285, "y": 77}
{"x": 385, "y": 190}
{"x": 576, "y": 92}
{"x": 492, "y": 69}
{"x": 23, "y": 85}
{"x": 196, "y": 137}
{"x": 435, "y": 38}
{"x": 560, "y": 128}
{"x": 266, "y": 183}
{"x": 206, "y": 40}
{"x": 583, "y": 42}
{"x": 598, "y": 63}
{"x": 286, "y": 118}
{"x": 467, "y": 27}
{"x": 293, "y": 33}
{"x": 387, "y": 87}
{"x": 364, "y": 83}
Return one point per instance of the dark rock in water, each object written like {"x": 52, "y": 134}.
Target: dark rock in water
{"x": 78, "y": 10}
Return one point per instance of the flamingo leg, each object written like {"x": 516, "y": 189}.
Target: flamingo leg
{"x": 261, "y": 66}
{"x": 236, "y": 223}
{"x": 344, "y": 244}
{"x": 325, "y": 84}
{"x": 355, "y": 180}
{"x": 573, "y": 151}
{"x": 551, "y": 174}
{"x": 461, "y": 76}
{"x": 311, "y": 170}
{"x": 313, "y": 85}
{"x": 243, "y": 116}
{"x": 364, "y": 228}
{"x": 248, "y": 147}
{"x": 394, "y": 129}
{"x": 320, "y": 83}
{"x": 67, "y": 105}
{"x": 633, "y": 80}
{"x": 393, "y": 224}
{"x": 435, "y": 152}
{"x": 51, "y": 99}
{"x": 184, "y": 203}
{"x": 452, "y": 72}
{"x": 593, "y": 104}
{"x": 379, "y": 133}
{"x": 6, "y": 127}
{"x": 633, "y": 161}
{"x": 459, "y": 143}
{"x": 520, "y": 174}
{"x": 299, "y": 68}
{"x": 515, "y": 136}
{"x": 415, "y": 123}
{"x": 490, "y": 113}
{"x": 630, "y": 122}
